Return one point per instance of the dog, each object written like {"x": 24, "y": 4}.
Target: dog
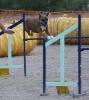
{"x": 38, "y": 25}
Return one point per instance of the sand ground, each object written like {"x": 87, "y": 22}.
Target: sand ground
{"x": 16, "y": 86}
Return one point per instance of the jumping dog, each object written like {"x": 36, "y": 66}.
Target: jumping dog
{"x": 38, "y": 25}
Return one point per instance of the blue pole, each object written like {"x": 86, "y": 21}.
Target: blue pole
{"x": 79, "y": 54}
{"x": 44, "y": 67}
{"x": 24, "y": 44}
{"x": 44, "y": 62}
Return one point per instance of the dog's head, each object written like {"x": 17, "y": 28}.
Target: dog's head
{"x": 43, "y": 19}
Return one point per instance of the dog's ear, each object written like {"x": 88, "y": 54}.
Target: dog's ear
{"x": 48, "y": 14}
{"x": 39, "y": 16}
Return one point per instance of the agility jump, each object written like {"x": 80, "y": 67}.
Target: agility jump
{"x": 62, "y": 37}
{"x": 10, "y": 65}
{"x": 45, "y": 44}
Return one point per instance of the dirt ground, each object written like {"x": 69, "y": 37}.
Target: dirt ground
{"x": 19, "y": 87}
{"x": 16, "y": 86}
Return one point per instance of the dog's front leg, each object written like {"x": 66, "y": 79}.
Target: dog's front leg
{"x": 49, "y": 36}
{"x": 46, "y": 31}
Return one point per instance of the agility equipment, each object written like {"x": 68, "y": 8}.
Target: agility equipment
{"x": 16, "y": 42}
{"x": 44, "y": 61}
{"x": 62, "y": 37}
{"x": 4, "y": 71}
{"x": 10, "y": 65}
{"x": 60, "y": 24}
{"x": 62, "y": 90}
{"x": 62, "y": 82}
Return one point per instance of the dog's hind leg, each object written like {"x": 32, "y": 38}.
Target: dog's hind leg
{"x": 31, "y": 32}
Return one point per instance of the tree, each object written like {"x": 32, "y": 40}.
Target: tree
{"x": 44, "y": 5}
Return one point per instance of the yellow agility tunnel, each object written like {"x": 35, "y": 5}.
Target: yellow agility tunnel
{"x": 55, "y": 27}
{"x": 16, "y": 42}
{"x": 60, "y": 24}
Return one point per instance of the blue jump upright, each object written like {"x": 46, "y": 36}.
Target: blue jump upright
{"x": 62, "y": 38}
{"x": 79, "y": 54}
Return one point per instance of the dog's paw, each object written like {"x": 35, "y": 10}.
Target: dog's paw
{"x": 48, "y": 37}
{"x": 52, "y": 37}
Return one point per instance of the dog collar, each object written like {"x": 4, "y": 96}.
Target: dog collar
{"x": 42, "y": 28}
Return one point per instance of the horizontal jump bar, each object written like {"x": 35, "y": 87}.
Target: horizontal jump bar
{"x": 11, "y": 66}
{"x": 82, "y": 49}
{"x": 67, "y": 37}
{"x": 61, "y": 84}
{"x": 26, "y": 39}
